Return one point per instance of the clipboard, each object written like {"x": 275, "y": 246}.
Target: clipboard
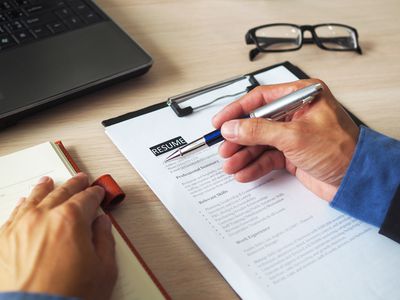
{"x": 253, "y": 233}
{"x": 175, "y": 101}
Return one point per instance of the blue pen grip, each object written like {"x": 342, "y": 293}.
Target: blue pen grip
{"x": 213, "y": 137}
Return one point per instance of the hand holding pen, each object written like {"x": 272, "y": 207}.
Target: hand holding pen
{"x": 276, "y": 110}
{"x": 316, "y": 145}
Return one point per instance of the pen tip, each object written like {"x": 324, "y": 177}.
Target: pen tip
{"x": 173, "y": 156}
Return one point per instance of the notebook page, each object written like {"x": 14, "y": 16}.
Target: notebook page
{"x": 270, "y": 239}
{"x": 20, "y": 171}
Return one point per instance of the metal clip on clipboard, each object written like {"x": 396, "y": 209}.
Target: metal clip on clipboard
{"x": 174, "y": 101}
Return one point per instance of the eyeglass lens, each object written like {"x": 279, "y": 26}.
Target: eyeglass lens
{"x": 287, "y": 37}
{"x": 279, "y": 37}
{"x": 336, "y": 37}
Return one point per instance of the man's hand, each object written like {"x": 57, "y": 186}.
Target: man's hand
{"x": 316, "y": 144}
{"x": 55, "y": 243}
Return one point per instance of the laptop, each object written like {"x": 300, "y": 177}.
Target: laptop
{"x": 54, "y": 50}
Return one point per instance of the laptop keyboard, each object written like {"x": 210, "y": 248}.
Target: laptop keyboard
{"x": 25, "y": 21}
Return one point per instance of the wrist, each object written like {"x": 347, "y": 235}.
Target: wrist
{"x": 347, "y": 150}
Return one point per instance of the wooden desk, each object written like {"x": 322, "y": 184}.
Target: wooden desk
{"x": 194, "y": 43}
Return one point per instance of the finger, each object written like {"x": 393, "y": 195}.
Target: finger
{"x": 268, "y": 161}
{"x": 87, "y": 203}
{"x": 242, "y": 158}
{"x": 227, "y": 149}
{"x": 62, "y": 193}
{"x": 291, "y": 167}
{"x": 104, "y": 243}
{"x": 14, "y": 213}
{"x": 44, "y": 186}
{"x": 256, "y": 98}
{"x": 257, "y": 131}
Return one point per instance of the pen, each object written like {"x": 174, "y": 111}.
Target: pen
{"x": 276, "y": 110}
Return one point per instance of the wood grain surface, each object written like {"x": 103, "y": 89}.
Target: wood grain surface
{"x": 194, "y": 43}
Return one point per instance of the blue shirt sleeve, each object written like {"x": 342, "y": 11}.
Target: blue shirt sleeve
{"x": 31, "y": 296}
{"x": 372, "y": 178}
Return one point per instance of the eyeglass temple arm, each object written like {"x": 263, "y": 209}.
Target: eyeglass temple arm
{"x": 253, "y": 53}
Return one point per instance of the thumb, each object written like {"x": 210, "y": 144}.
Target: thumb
{"x": 104, "y": 243}
{"x": 257, "y": 131}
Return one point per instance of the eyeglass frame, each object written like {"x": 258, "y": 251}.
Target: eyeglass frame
{"x": 251, "y": 38}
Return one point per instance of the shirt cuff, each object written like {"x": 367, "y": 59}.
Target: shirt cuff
{"x": 32, "y": 296}
{"x": 391, "y": 225}
{"x": 372, "y": 178}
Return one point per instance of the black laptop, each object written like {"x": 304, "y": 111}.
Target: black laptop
{"x": 52, "y": 50}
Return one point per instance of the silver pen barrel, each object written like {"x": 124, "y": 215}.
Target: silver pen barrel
{"x": 287, "y": 104}
{"x": 194, "y": 146}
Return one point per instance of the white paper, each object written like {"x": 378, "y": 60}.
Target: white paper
{"x": 270, "y": 239}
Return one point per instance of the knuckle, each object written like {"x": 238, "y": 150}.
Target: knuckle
{"x": 35, "y": 197}
{"x": 63, "y": 191}
{"x": 325, "y": 89}
{"x": 69, "y": 211}
{"x": 26, "y": 207}
{"x": 257, "y": 89}
{"x": 255, "y": 130}
{"x": 317, "y": 80}
{"x": 31, "y": 217}
{"x": 30, "y": 220}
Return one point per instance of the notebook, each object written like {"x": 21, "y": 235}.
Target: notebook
{"x": 21, "y": 170}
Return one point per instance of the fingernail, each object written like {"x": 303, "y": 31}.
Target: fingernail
{"x": 81, "y": 175}
{"x": 43, "y": 179}
{"x": 230, "y": 129}
{"x": 99, "y": 190}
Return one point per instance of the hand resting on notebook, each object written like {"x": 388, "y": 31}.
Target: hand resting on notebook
{"x": 316, "y": 145}
{"x": 55, "y": 243}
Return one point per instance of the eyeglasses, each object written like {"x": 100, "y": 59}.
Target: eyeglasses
{"x": 282, "y": 37}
